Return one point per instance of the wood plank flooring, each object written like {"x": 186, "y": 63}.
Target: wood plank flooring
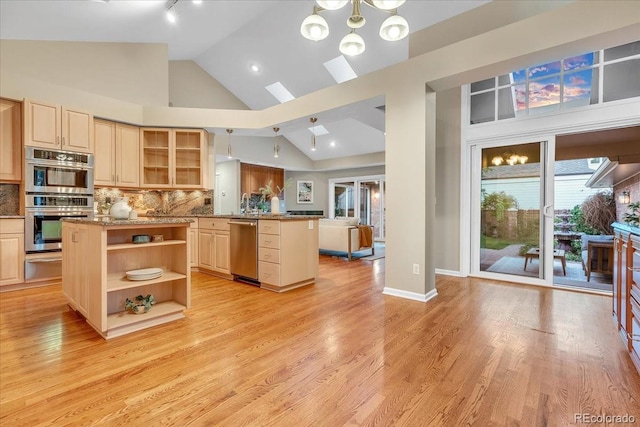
{"x": 336, "y": 353}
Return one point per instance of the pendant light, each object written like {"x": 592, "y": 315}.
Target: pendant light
{"x": 229, "y": 131}
{"x": 313, "y": 121}
{"x": 276, "y": 149}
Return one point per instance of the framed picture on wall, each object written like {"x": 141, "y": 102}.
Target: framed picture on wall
{"x": 305, "y": 191}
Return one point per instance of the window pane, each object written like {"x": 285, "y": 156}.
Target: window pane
{"x": 521, "y": 100}
{"x": 576, "y": 62}
{"x": 483, "y": 85}
{"x": 506, "y": 103}
{"x": 519, "y": 76}
{"x": 577, "y": 88}
{"x": 483, "y": 107}
{"x": 544, "y": 70}
{"x": 544, "y": 95}
{"x": 621, "y": 80}
{"x": 504, "y": 80}
{"x": 622, "y": 51}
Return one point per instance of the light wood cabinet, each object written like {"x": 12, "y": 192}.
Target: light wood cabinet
{"x": 56, "y": 127}
{"x": 11, "y": 251}
{"x": 117, "y": 154}
{"x": 10, "y": 141}
{"x": 214, "y": 246}
{"x": 626, "y": 288}
{"x": 75, "y": 286}
{"x": 173, "y": 158}
{"x": 253, "y": 177}
{"x": 101, "y": 295}
{"x": 287, "y": 253}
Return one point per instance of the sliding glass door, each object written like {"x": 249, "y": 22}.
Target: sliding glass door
{"x": 512, "y": 212}
{"x": 362, "y": 197}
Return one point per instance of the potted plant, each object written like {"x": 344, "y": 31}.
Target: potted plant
{"x": 141, "y": 304}
{"x": 633, "y": 218}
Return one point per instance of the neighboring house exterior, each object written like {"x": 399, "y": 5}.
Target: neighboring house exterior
{"x": 523, "y": 183}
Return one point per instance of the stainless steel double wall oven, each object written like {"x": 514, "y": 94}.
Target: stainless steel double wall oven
{"x": 58, "y": 184}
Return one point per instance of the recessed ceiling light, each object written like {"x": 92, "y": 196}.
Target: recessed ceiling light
{"x": 197, "y": 1}
{"x": 171, "y": 15}
{"x": 332, "y": 143}
{"x": 280, "y": 92}
{"x": 255, "y": 68}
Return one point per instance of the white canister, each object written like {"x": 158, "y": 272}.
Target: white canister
{"x": 120, "y": 209}
{"x": 275, "y": 205}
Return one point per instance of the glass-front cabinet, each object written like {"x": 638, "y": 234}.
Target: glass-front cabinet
{"x": 173, "y": 158}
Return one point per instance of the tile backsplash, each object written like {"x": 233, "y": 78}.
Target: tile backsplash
{"x": 9, "y": 199}
{"x": 176, "y": 202}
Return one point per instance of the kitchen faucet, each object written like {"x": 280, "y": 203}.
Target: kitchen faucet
{"x": 246, "y": 205}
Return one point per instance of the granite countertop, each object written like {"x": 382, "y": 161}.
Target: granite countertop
{"x": 266, "y": 216}
{"x": 11, "y": 216}
{"x": 139, "y": 221}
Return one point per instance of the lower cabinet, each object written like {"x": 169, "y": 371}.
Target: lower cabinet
{"x": 626, "y": 285}
{"x": 75, "y": 285}
{"x": 99, "y": 289}
{"x": 287, "y": 253}
{"x": 11, "y": 251}
{"x": 214, "y": 246}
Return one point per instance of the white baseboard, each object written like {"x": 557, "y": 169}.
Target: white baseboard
{"x": 449, "y": 272}
{"x": 410, "y": 295}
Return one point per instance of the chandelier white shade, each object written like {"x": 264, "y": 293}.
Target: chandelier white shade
{"x": 332, "y": 4}
{"x": 314, "y": 27}
{"x": 394, "y": 28}
{"x": 388, "y": 4}
{"x": 352, "y": 44}
{"x": 229, "y": 132}
{"x": 276, "y": 148}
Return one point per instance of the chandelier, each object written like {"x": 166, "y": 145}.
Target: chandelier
{"x": 394, "y": 28}
{"x": 510, "y": 159}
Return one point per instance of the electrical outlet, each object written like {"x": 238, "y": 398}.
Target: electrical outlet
{"x": 310, "y": 224}
{"x": 416, "y": 268}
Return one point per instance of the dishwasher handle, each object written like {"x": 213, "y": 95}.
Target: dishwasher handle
{"x": 245, "y": 223}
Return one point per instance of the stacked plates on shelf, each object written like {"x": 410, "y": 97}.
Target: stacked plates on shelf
{"x": 144, "y": 274}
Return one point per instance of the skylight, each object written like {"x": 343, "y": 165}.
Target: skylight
{"x": 340, "y": 69}
{"x": 319, "y": 130}
{"x": 280, "y": 92}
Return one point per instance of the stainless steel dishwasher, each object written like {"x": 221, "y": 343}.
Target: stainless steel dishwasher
{"x": 244, "y": 250}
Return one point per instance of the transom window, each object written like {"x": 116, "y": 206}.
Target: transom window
{"x": 591, "y": 78}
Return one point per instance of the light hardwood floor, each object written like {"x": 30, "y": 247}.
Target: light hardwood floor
{"x": 335, "y": 353}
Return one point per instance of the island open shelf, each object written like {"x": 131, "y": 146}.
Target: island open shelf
{"x": 98, "y": 288}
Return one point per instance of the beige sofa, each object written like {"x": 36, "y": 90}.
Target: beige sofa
{"x": 344, "y": 235}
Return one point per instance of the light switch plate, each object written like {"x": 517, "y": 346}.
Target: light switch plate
{"x": 310, "y": 224}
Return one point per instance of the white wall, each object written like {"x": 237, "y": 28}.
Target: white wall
{"x": 191, "y": 86}
{"x": 229, "y": 180}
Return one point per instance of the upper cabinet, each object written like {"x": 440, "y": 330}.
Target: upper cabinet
{"x": 55, "y": 127}
{"x": 117, "y": 154}
{"x": 10, "y": 141}
{"x": 254, "y": 177}
{"x": 173, "y": 158}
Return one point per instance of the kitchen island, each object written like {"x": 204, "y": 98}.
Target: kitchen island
{"x": 286, "y": 248}
{"x": 96, "y": 257}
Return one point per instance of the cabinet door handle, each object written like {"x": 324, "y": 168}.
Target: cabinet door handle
{"x": 63, "y": 140}
{"x": 57, "y": 140}
{"x": 73, "y": 237}
{"x": 117, "y": 178}
{"x": 266, "y": 242}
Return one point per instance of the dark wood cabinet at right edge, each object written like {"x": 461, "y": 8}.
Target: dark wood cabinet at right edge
{"x": 626, "y": 287}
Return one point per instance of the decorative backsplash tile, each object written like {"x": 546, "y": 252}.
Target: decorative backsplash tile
{"x": 9, "y": 199}
{"x": 161, "y": 202}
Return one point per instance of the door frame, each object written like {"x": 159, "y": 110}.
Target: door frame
{"x": 547, "y": 161}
